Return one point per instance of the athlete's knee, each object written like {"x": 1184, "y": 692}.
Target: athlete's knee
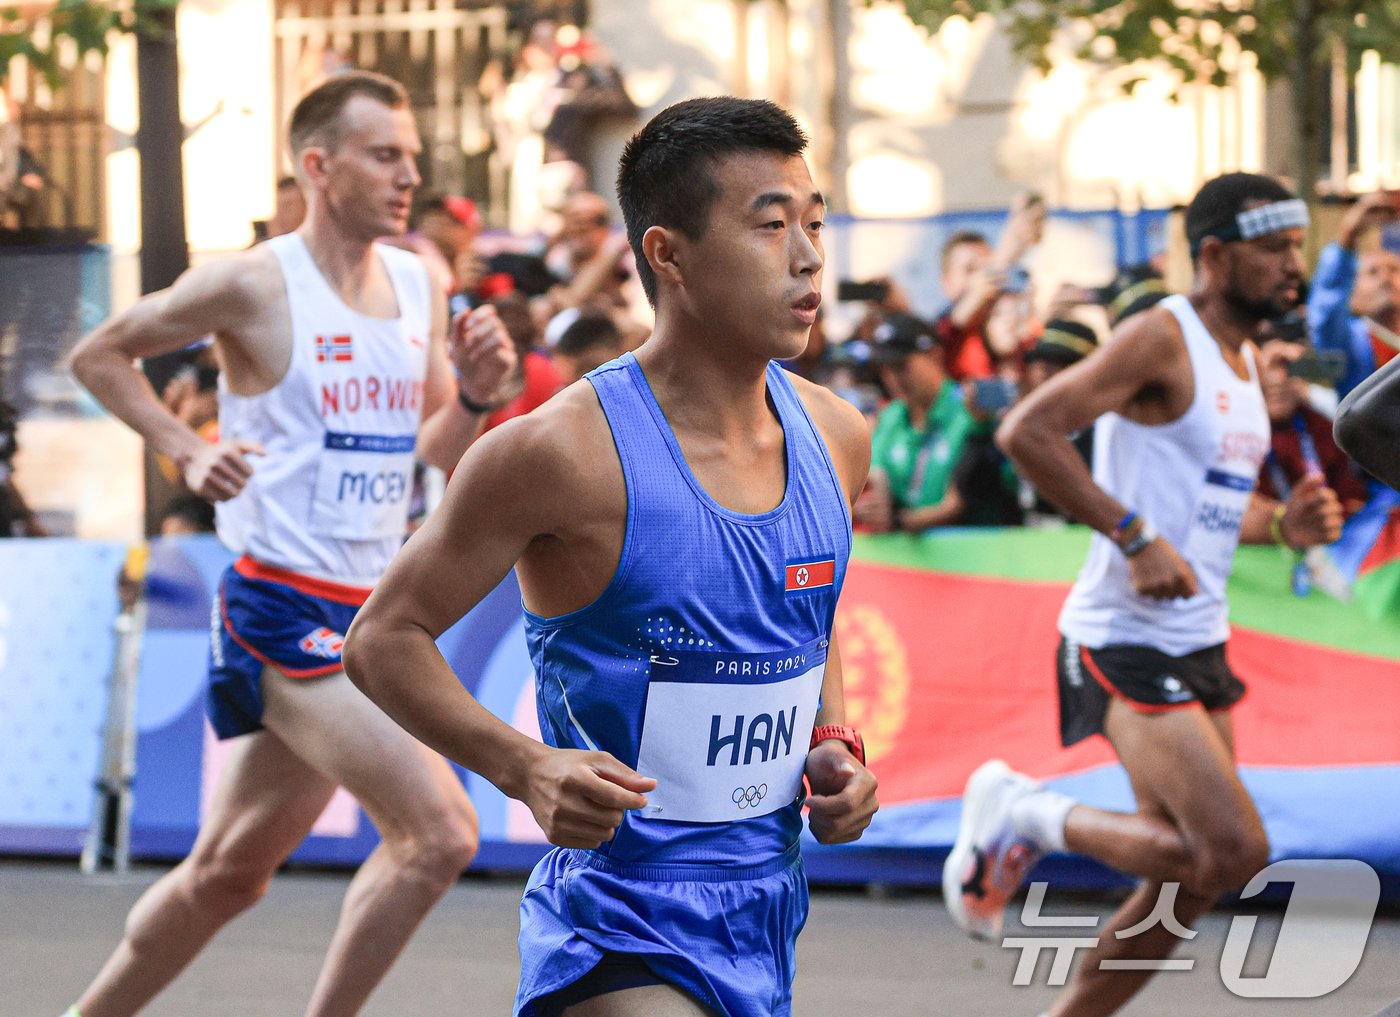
{"x": 441, "y": 850}
{"x": 225, "y": 883}
{"x": 1228, "y": 859}
{"x": 1177, "y": 863}
{"x": 454, "y": 847}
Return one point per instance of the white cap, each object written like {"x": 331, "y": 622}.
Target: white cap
{"x": 558, "y": 325}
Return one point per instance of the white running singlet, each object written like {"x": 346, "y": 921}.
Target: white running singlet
{"x": 330, "y": 498}
{"x": 1192, "y": 479}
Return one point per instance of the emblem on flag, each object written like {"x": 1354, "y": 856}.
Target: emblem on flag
{"x": 810, "y": 575}
{"x": 323, "y": 642}
{"x": 334, "y": 348}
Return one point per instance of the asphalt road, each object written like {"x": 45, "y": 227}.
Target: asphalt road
{"x": 863, "y": 952}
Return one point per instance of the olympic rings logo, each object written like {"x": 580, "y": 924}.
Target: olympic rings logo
{"x": 749, "y": 797}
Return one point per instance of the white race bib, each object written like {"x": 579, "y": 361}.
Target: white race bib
{"x": 363, "y": 483}
{"x": 1215, "y": 524}
{"x": 726, "y": 734}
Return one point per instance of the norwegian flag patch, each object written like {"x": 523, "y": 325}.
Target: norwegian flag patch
{"x": 336, "y": 349}
{"x": 810, "y": 575}
{"x": 323, "y": 642}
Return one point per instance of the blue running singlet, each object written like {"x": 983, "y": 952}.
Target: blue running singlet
{"x": 700, "y": 665}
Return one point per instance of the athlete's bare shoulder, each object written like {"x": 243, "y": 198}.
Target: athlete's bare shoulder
{"x": 1146, "y": 361}
{"x": 557, "y": 465}
{"x": 237, "y": 285}
{"x": 844, "y": 430}
{"x": 1155, "y": 331}
{"x": 241, "y": 299}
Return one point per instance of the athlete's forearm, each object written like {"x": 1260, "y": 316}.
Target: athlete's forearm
{"x": 401, "y": 670}
{"x": 119, "y": 386}
{"x": 833, "y": 706}
{"x": 445, "y": 436}
{"x": 1257, "y": 526}
{"x": 1048, "y": 459}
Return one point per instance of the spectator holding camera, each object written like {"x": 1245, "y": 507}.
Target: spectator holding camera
{"x": 919, "y": 437}
{"x": 592, "y": 261}
{"x": 1354, "y": 300}
{"x": 1300, "y": 442}
{"x": 975, "y": 275}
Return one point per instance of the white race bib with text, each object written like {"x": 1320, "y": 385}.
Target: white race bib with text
{"x": 726, "y": 734}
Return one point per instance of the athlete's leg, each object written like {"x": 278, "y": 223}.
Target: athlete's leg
{"x": 266, "y": 802}
{"x": 1195, "y": 826}
{"x": 426, "y": 823}
{"x": 643, "y": 1001}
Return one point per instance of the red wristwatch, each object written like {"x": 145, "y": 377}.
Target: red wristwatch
{"x": 841, "y": 733}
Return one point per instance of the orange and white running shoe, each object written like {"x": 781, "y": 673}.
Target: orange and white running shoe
{"x": 989, "y": 861}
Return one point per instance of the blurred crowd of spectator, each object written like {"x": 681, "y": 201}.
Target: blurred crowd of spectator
{"x": 563, "y": 280}
{"x": 935, "y": 390}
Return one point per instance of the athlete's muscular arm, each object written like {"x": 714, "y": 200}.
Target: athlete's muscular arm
{"x": 477, "y": 349}
{"x": 1143, "y": 372}
{"x": 222, "y": 298}
{"x": 843, "y": 790}
{"x": 517, "y": 489}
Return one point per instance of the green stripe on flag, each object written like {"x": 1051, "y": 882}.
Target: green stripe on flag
{"x": 1045, "y": 555}
{"x": 1260, "y": 595}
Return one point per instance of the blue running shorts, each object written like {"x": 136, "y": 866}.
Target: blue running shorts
{"x": 269, "y": 617}
{"x": 727, "y": 936}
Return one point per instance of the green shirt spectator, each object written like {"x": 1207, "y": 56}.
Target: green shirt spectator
{"x": 918, "y": 456}
{"x": 919, "y": 437}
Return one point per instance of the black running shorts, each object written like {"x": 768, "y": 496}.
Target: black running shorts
{"x": 1145, "y": 678}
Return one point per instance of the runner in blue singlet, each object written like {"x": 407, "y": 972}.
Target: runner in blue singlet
{"x": 680, "y": 590}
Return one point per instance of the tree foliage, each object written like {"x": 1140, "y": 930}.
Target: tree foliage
{"x": 88, "y": 24}
{"x": 1189, "y": 36}
{"x": 1199, "y": 40}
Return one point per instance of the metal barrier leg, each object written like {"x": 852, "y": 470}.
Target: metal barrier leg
{"x": 108, "y": 843}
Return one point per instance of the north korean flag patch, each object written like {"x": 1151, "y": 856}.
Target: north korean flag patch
{"x": 810, "y": 575}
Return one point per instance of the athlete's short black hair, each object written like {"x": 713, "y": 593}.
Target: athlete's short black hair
{"x": 666, "y": 176}
{"x": 1216, "y": 204}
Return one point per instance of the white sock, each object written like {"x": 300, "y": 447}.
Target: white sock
{"x": 1040, "y": 818}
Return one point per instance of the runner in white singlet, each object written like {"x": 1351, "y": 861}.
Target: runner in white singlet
{"x": 337, "y": 368}
{"x": 1180, "y": 434}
